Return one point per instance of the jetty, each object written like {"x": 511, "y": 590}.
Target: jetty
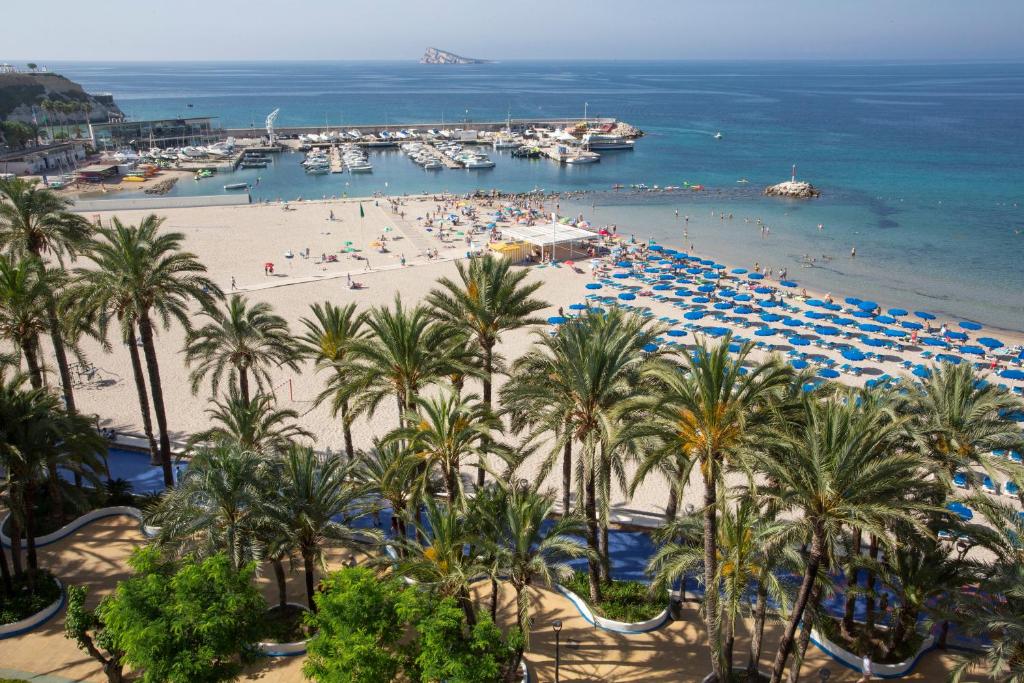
{"x": 337, "y": 166}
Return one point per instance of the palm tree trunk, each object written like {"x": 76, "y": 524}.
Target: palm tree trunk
{"x": 53, "y": 489}
{"x": 346, "y": 428}
{"x": 16, "y": 565}
{"x": 710, "y": 571}
{"x": 29, "y": 502}
{"x": 61, "y": 355}
{"x": 672, "y": 506}
{"x": 309, "y": 569}
{"x": 567, "y": 476}
{"x": 606, "y": 569}
{"x": 730, "y": 643}
{"x": 803, "y": 598}
{"x": 35, "y": 373}
{"x": 757, "y": 637}
{"x": 5, "y": 575}
{"x": 451, "y": 481}
{"x": 243, "y": 384}
{"x": 805, "y": 633}
{"x": 494, "y": 599}
{"x": 869, "y": 614}
{"x": 851, "y": 582}
{"x": 590, "y": 510}
{"x": 282, "y": 588}
{"x": 488, "y": 350}
{"x": 467, "y": 606}
{"x": 140, "y": 390}
{"x": 156, "y": 388}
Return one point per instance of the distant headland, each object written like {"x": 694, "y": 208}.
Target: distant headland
{"x": 435, "y": 56}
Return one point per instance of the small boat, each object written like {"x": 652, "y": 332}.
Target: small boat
{"x": 742, "y": 181}
{"x": 582, "y": 159}
{"x": 718, "y": 135}
{"x": 237, "y": 186}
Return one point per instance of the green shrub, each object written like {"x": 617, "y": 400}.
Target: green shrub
{"x": 25, "y": 603}
{"x": 626, "y": 601}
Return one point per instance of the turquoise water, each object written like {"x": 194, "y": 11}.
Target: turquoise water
{"x": 919, "y": 164}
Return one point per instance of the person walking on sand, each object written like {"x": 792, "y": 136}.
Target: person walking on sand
{"x": 853, "y": 252}
{"x": 232, "y": 283}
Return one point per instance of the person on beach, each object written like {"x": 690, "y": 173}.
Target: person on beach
{"x": 331, "y": 218}
{"x": 853, "y": 252}
{"x": 232, "y": 283}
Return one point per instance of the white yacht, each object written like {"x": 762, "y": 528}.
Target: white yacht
{"x": 603, "y": 141}
{"x": 718, "y": 135}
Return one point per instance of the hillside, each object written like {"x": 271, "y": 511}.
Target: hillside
{"x": 19, "y": 92}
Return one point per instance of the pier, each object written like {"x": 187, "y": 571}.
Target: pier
{"x": 515, "y": 125}
{"x": 336, "y": 164}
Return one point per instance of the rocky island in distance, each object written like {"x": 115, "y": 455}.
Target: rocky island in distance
{"x": 435, "y": 56}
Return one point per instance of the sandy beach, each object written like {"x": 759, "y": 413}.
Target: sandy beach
{"x": 236, "y": 243}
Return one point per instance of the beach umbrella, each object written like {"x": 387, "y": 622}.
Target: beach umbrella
{"x": 693, "y": 315}
{"x": 676, "y": 333}
{"x": 770, "y": 317}
{"x": 990, "y": 342}
{"x": 852, "y": 300}
{"x": 656, "y": 247}
{"x": 798, "y": 363}
{"x": 770, "y": 304}
{"x": 832, "y": 307}
{"x": 815, "y": 302}
{"x": 701, "y": 300}
{"x": 890, "y": 332}
{"x": 799, "y": 341}
{"x": 815, "y": 315}
{"x": 556, "y": 320}
{"x": 694, "y": 271}
{"x": 861, "y": 314}
{"x": 716, "y": 331}
{"x": 828, "y": 373}
{"x": 931, "y": 341}
{"x": 709, "y": 274}
{"x": 593, "y": 285}
{"x": 682, "y": 292}
{"x": 949, "y": 358}
{"x": 867, "y": 305}
{"x": 853, "y": 354}
{"x": 666, "y": 276}
{"x": 727, "y": 293}
{"x": 706, "y": 262}
{"x": 627, "y": 296}
{"x": 620, "y": 276}
{"x": 578, "y": 307}
{"x": 968, "y": 325}
{"x": 723, "y": 305}
{"x": 870, "y": 341}
{"x": 843, "y": 321}
{"x": 650, "y": 348}
{"x": 742, "y": 297}
{"x": 899, "y": 312}
{"x": 735, "y": 347}
{"x": 961, "y": 510}
{"x": 738, "y": 271}
{"x": 764, "y": 331}
{"x": 651, "y": 269}
{"x": 624, "y": 264}
{"x": 924, "y": 315}
{"x": 718, "y": 266}
{"x": 661, "y": 288}
{"x": 911, "y": 325}
{"x": 743, "y": 310}
{"x": 827, "y": 330}
{"x": 706, "y": 288}
{"x": 755, "y": 276}
{"x": 921, "y": 371}
{"x": 792, "y": 322}
{"x": 1012, "y": 374}
{"x": 870, "y": 327}
{"x": 974, "y": 350}
{"x": 957, "y": 336}
{"x": 788, "y": 283}
{"x": 886, "y": 320}
{"x": 762, "y": 290}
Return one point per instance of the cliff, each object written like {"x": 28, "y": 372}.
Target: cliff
{"x": 792, "y": 189}
{"x": 435, "y": 56}
{"x": 19, "y": 92}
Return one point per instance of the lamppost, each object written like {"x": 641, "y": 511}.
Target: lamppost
{"x": 557, "y": 626}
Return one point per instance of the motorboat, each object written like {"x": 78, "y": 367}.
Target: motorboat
{"x": 602, "y": 141}
{"x": 237, "y": 186}
{"x": 582, "y": 158}
{"x": 363, "y": 167}
{"x": 718, "y": 135}
{"x": 432, "y": 165}
{"x": 477, "y": 161}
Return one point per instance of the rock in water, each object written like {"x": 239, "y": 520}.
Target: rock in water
{"x": 792, "y": 189}
{"x": 435, "y": 56}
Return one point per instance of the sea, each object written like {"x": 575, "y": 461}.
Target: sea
{"x": 920, "y": 165}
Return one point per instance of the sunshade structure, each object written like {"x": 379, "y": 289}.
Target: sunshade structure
{"x": 755, "y": 276}
{"x": 548, "y": 236}
{"x": 788, "y": 283}
{"x": 799, "y": 341}
{"x": 990, "y": 342}
{"x": 969, "y": 325}
{"x": 556, "y": 320}
{"x": 764, "y": 332}
{"x": 962, "y": 510}
{"x": 593, "y": 285}
{"x": 921, "y": 371}
{"x": 627, "y": 296}
{"x": 1012, "y": 374}
{"x": 924, "y": 315}
{"x": 828, "y": 373}
{"x": 853, "y": 354}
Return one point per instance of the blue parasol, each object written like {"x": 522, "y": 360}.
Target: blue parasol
{"x": 738, "y": 271}
{"x": 870, "y": 341}
{"x": 676, "y": 333}
{"x": 578, "y": 307}
{"x": 792, "y": 322}
{"x": 892, "y": 332}
{"x": 755, "y": 276}
{"x": 661, "y": 288}
{"x": 556, "y": 320}
{"x": 828, "y": 373}
{"x": 924, "y": 315}
{"x": 827, "y": 330}
{"x": 921, "y": 371}
{"x": 853, "y": 354}
{"x": 788, "y": 283}
{"x": 770, "y": 317}
{"x": 743, "y": 310}
{"x": 764, "y": 331}
{"x": 973, "y": 350}
{"x": 798, "y": 363}
{"x": 815, "y": 315}
{"x": 682, "y": 292}
{"x": 770, "y": 304}
{"x": 948, "y": 358}
{"x": 621, "y": 276}
{"x": 870, "y": 327}
{"x": 931, "y": 341}
{"x": 1012, "y": 374}
{"x": 701, "y": 300}
{"x": 852, "y": 300}
{"x": 723, "y": 305}
{"x": 816, "y": 302}
{"x": 886, "y": 320}
{"x": 957, "y": 336}
{"x": 866, "y": 305}
{"x": 968, "y": 325}
{"x": 593, "y": 285}
{"x": 650, "y": 348}
{"x": 860, "y": 314}
{"x": 762, "y": 290}
{"x": 693, "y": 315}
{"x": 742, "y": 297}
{"x": 898, "y": 312}
{"x": 990, "y": 342}
{"x": 706, "y": 288}
{"x": 799, "y": 341}
{"x": 910, "y": 325}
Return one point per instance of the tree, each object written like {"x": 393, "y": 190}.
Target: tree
{"x": 488, "y": 300}
{"x": 240, "y": 341}
{"x": 313, "y": 492}
{"x": 450, "y": 428}
{"x": 330, "y": 335}
{"x": 395, "y": 474}
{"x": 23, "y": 316}
{"x": 836, "y": 468}
{"x": 185, "y": 622}
{"x": 405, "y": 352}
{"x": 35, "y": 221}
{"x": 256, "y": 425}
{"x": 711, "y": 410}
{"x": 86, "y": 628}
{"x": 217, "y": 506}
{"x": 162, "y": 280}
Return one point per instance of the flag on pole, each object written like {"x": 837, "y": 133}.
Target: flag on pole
{"x": 361, "y": 214}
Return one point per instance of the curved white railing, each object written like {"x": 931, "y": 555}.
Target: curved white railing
{"x": 853, "y": 661}
{"x": 34, "y": 621}
{"x": 75, "y": 525}
{"x": 285, "y": 649}
{"x": 628, "y": 628}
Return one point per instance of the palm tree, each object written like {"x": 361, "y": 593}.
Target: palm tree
{"x": 23, "y": 315}
{"x": 405, "y": 352}
{"x": 35, "y": 221}
{"x": 314, "y": 491}
{"x": 707, "y": 413}
{"x": 489, "y": 299}
{"x": 450, "y": 428}
{"x": 217, "y": 506}
{"x": 161, "y": 281}
{"x": 239, "y": 341}
{"x": 255, "y": 425}
{"x": 583, "y": 375}
{"x": 393, "y": 472}
{"x": 836, "y": 468}
{"x": 962, "y": 420}
{"x": 328, "y": 341}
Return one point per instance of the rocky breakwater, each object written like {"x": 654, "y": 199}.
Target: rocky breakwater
{"x": 435, "y": 56}
{"x": 792, "y": 189}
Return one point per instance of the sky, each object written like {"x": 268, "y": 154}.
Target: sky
{"x": 113, "y": 30}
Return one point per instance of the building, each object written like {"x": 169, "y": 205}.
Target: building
{"x": 193, "y": 131}
{"x": 46, "y": 160}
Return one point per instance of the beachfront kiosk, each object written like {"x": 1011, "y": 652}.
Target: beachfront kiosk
{"x": 549, "y": 237}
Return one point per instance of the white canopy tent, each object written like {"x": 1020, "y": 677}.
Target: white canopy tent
{"x": 547, "y": 235}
